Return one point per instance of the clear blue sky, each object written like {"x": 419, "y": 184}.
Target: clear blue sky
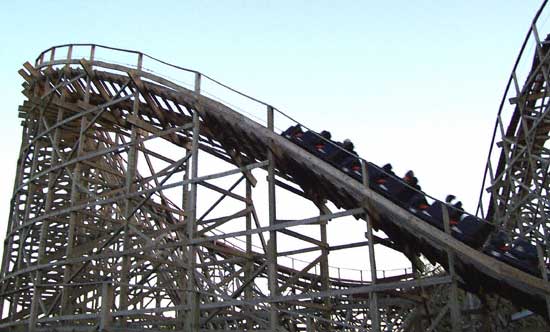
{"x": 416, "y": 83}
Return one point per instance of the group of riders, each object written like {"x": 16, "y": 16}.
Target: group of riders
{"x": 406, "y": 192}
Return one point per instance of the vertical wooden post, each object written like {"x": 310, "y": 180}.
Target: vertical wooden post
{"x": 92, "y": 56}
{"x": 373, "y": 296}
{"x": 107, "y": 298}
{"x": 88, "y": 86}
{"x": 75, "y": 197}
{"x": 69, "y": 57}
{"x": 181, "y": 314}
{"x": 40, "y": 60}
{"x": 309, "y": 325}
{"x": 248, "y": 294}
{"x": 325, "y": 277}
{"x": 471, "y": 306}
{"x": 453, "y": 294}
{"x": 272, "y": 243}
{"x": 52, "y": 58}
{"x": 193, "y": 306}
{"x": 131, "y": 171}
{"x": 74, "y": 219}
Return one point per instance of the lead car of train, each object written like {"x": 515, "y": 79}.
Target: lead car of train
{"x": 406, "y": 193}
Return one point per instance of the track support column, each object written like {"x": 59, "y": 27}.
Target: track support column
{"x": 66, "y": 299}
{"x": 129, "y": 187}
{"x": 373, "y": 296}
{"x": 182, "y": 314}
{"x": 107, "y": 298}
{"x": 325, "y": 273}
{"x": 272, "y": 243}
{"x": 453, "y": 294}
{"x": 248, "y": 293}
{"x": 193, "y": 306}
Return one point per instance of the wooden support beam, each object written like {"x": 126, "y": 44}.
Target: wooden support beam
{"x": 107, "y": 301}
{"x": 298, "y": 275}
{"x": 134, "y": 75}
{"x": 91, "y": 74}
{"x": 304, "y": 238}
{"x": 34, "y": 73}
{"x": 272, "y": 243}
{"x": 456, "y": 323}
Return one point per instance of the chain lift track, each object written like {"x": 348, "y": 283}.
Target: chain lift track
{"x": 107, "y": 230}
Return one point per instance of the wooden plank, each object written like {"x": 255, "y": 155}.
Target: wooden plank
{"x": 91, "y": 73}
{"x": 25, "y": 75}
{"x": 303, "y": 237}
{"x": 298, "y": 275}
{"x": 135, "y": 120}
{"x": 222, "y": 220}
{"x": 238, "y": 160}
{"x": 145, "y": 94}
{"x": 35, "y": 73}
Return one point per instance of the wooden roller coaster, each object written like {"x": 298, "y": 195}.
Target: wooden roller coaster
{"x": 113, "y": 225}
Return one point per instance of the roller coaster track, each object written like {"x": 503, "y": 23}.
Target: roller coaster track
{"x": 516, "y": 174}
{"x": 105, "y": 231}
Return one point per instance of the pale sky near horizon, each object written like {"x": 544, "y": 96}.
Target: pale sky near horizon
{"x": 416, "y": 83}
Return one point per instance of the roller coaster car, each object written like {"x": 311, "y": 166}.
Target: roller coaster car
{"x": 418, "y": 205}
{"x": 526, "y": 254}
{"x": 308, "y": 140}
{"x": 378, "y": 175}
{"x": 318, "y": 144}
{"x": 339, "y": 155}
{"x": 435, "y": 215}
{"x": 471, "y": 231}
{"x": 525, "y": 250}
{"x": 408, "y": 191}
{"x": 352, "y": 167}
{"x": 389, "y": 186}
{"x": 396, "y": 189}
{"x": 325, "y": 150}
{"x": 522, "y": 255}
{"x": 497, "y": 245}
{"x": 293, "y": 133}
{"x": 314, "y": 143}
{"x": 465, "y": 228}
